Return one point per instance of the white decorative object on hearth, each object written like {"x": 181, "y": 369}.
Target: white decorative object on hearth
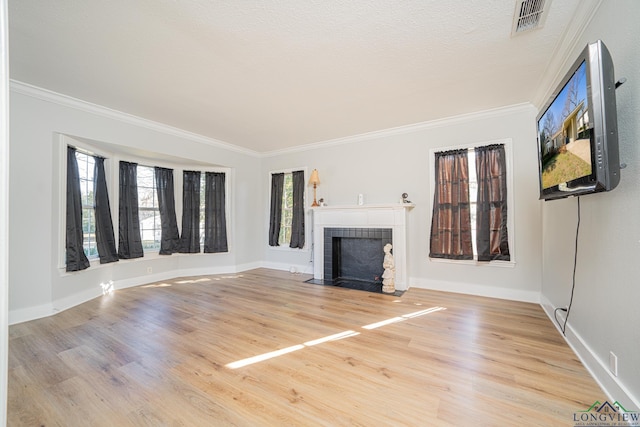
{"x": 389, "y": 275}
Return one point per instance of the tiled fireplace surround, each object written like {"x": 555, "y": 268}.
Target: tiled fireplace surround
{"x": 362, "y": 260}
{"x": 392, "y": 216}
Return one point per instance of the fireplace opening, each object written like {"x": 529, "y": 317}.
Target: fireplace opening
{"x": 357, "y": 259}
{"x": 353, "y": 257}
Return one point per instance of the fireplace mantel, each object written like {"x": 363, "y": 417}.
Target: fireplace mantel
{"x": 393, "y": 216}
{"x": 367, "y": 207}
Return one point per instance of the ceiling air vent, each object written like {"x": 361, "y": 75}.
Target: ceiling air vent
{"x": 529, "y": 15}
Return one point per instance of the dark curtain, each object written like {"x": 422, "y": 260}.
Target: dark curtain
{"x": 190, "y": 238}
{"x": 451, "y": 221}
{"x": 297, "y": 221}
{"x": 491, "y": 217}
{"x": 215, "y": 221}
{"x": 129, "y": 240}
{"x": 169, "y": 238}
{"x": 76, "y": 258}
{"x": 105, "y": 237}
{"x": 275, "y": 213}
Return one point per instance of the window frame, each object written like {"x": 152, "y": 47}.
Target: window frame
{"x": 155, "y": 208}
{"x": 86, "y": 186}
{"x": 179, "y": 195}
{"x": 203, "y": 183}
{"x": 284, "y": 246}
{"x": 286, "y": 220}
{"x": 178, "y": 180}
{"x": 63, "y": 142}
{"x": 508, "y": 148}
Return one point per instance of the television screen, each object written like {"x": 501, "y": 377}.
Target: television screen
{"x": 565, "y": 131}
{"x": 577, "y": 129}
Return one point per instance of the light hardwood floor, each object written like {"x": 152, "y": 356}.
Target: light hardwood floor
{"x": 179, "y": 353}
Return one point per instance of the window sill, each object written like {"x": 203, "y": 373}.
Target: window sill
{"x": 287, "y": 249}
{"x": 94, "y": 264}
{"x": 499, "y": 264}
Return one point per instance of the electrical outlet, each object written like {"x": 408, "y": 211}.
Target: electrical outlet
{"x": 149, "y": 270}
{"x": 613, "y": 363}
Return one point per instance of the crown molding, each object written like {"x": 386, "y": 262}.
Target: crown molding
{"x": 88, "y": 107}
{"x": 68, "y": 101}
{"x": 447, "y": 121}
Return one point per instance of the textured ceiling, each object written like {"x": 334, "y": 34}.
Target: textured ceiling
{"x": 274, "y": 74}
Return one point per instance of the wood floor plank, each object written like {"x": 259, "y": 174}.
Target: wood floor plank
{"x": 183, "y": 352}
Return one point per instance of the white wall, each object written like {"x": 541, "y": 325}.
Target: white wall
{"x": 4, "y": 209}
{"x": 383, "y": 165}
{"x": 605, "y": 315}
{"x": 37, "y": 286}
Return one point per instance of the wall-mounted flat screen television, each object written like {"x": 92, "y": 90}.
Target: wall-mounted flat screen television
{"x": 578, "y": 131}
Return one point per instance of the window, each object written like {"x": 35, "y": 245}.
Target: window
{"x": 148, "y": 208}
{"x": 86, "y": 164}
{"x": 473, "y": 199}
{"x": 203, "y": 183}
{"x": 215, "y": 215}
{"x": 88, "y": 231}
{"x": 470, "y": 203}
{"x": 204, "y": 213}
{"x": 287, "y": 210}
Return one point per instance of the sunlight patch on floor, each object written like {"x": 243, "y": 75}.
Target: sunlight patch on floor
{"x": 402, "y": 318}
{"x": 334, "y": 337}
{"x": 329, "y": 338}
{"x": 157, "y": 285}
{"x": 107, "y": 287}
{"x": 183, "y": 282}
{"x": 264, "y": 356}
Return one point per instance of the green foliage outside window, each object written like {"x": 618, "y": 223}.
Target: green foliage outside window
{"x": 284, "y": 237}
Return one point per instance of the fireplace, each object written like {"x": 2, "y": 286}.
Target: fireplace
{"x": 353, "y": 257}
{"x": 343, "y": 226}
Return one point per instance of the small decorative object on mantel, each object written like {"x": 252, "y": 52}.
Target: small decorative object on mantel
{"x": 404, "y": 198}
{"x": 321, "y": 201}
{"x": 389, "y": 275}
{"x": 314, "y": 180}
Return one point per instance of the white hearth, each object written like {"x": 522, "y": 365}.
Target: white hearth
{"x": 392, "y": 216}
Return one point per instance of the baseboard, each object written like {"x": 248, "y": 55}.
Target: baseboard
{"x": 148, "y": 278}
{"x": 293, "y": 268}
{"x": 30, "y": 313}
{"x": 247, "y": 266}
{"x": 61, "y": 304}
{"x": 613, "y": 389}
{"x": 475, "y": 289}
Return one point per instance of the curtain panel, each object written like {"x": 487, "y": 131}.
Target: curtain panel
{"x": 129, "y": 240}
{"x": 76, "y": 258}
{"x": 169, "y": 237}
{"x": 297, "y": 221}
{"x": 190, "y": 238}
{"x": 492, "y": 240}
{"x": 215, "y": 221}
{"x": 275, "y": 212}
{"x": 451, "y": 220}
{"x": 105, "y": 237}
